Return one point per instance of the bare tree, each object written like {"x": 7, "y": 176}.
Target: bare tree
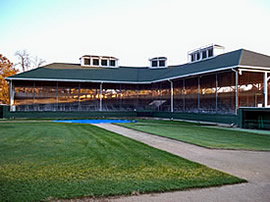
{"x": 38, "y": 61}
{"x": 26, "y": 62}
{"x": 24, "y": 59}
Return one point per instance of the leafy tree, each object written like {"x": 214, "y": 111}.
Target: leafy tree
{"x": 6, "y": 69}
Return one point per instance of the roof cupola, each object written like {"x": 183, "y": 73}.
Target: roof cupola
{"x": 205, "y": 52}
{"x": 158, "y": 62}
{"x": 99, "y": 61}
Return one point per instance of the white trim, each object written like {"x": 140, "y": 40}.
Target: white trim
{"x": 172, "y": 96}
{"x": 236, "y": 90}
{"x": 11, "y": 97}
{"x": 100, "y": 96}
{"x": 253, "y": 70}
{"x": 254, "y": 67}
{"x": 162, "y": 67}
{"x": 78, "y": 80}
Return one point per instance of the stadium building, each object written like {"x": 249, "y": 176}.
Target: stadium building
{"x": 211, "y": 86}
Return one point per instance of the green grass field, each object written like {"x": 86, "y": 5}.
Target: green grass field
{"x": 206, "y": 136}
{"x": 42, "y": 161}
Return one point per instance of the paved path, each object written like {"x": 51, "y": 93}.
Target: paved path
{"x": 253, "y": 166}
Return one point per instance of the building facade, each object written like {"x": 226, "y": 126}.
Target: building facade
{"x": 212, "y": 82}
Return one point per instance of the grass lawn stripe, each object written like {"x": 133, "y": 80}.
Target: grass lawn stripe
{"x": 40, "y": 161}
{"x": 206, "y": 136}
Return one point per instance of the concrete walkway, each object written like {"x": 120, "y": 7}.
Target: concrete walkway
{"x": 252, "y": 166}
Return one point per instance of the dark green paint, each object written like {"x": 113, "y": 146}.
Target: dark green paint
{"x": 258, "y": 118}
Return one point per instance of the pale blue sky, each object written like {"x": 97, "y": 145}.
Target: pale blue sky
{"x": 133, "y": 31}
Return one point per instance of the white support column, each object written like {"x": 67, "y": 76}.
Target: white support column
{"x": 79, "y": 97}
{"x": 171, "y": 82}
{"x": 183, "y": 95}
{"x": 11, "y": 96}
{"x": 34, "y": 92}
{"x": 100, "y": 97}
{"x": 265, "y": 90}
{"x": 199, "y": 93}
{"x": 57, "y": 96}
{"x": 216, "y": 93}
{"x": 236, "y": 90}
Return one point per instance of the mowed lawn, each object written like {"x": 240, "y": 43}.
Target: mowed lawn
{"x": 206, "y": 136}
{"x": 43, "y": 161}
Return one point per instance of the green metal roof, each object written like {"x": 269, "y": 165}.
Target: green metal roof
{"x": 75, "y": 72}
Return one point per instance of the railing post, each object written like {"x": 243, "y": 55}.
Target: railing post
{"x": 57, "y": 96}
{"x": 236, "y": 90}
{"x": 79, "y": 99}
{"x": 100, "y": 97}
{"x": 183, "y": 95}
{"x": 216, "y": 93}
{"x": 265, "y": 90}
{"x": 199, "y": 91}
{"x": 171, "y": 82}
{"x": 11, "y": 96}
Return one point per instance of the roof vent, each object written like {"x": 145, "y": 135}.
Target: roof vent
{"x": 99, "y": 61}
{"x": 158, "y": 62}
{"x": 205, "y": 52}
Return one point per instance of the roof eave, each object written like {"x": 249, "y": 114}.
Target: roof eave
{"x": 125, "y": 82}
{"x": 197, "y": 73}
{"x": 79, "y": 80}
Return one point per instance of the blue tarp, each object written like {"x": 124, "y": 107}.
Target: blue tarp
{"x": 94, "y": 121}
